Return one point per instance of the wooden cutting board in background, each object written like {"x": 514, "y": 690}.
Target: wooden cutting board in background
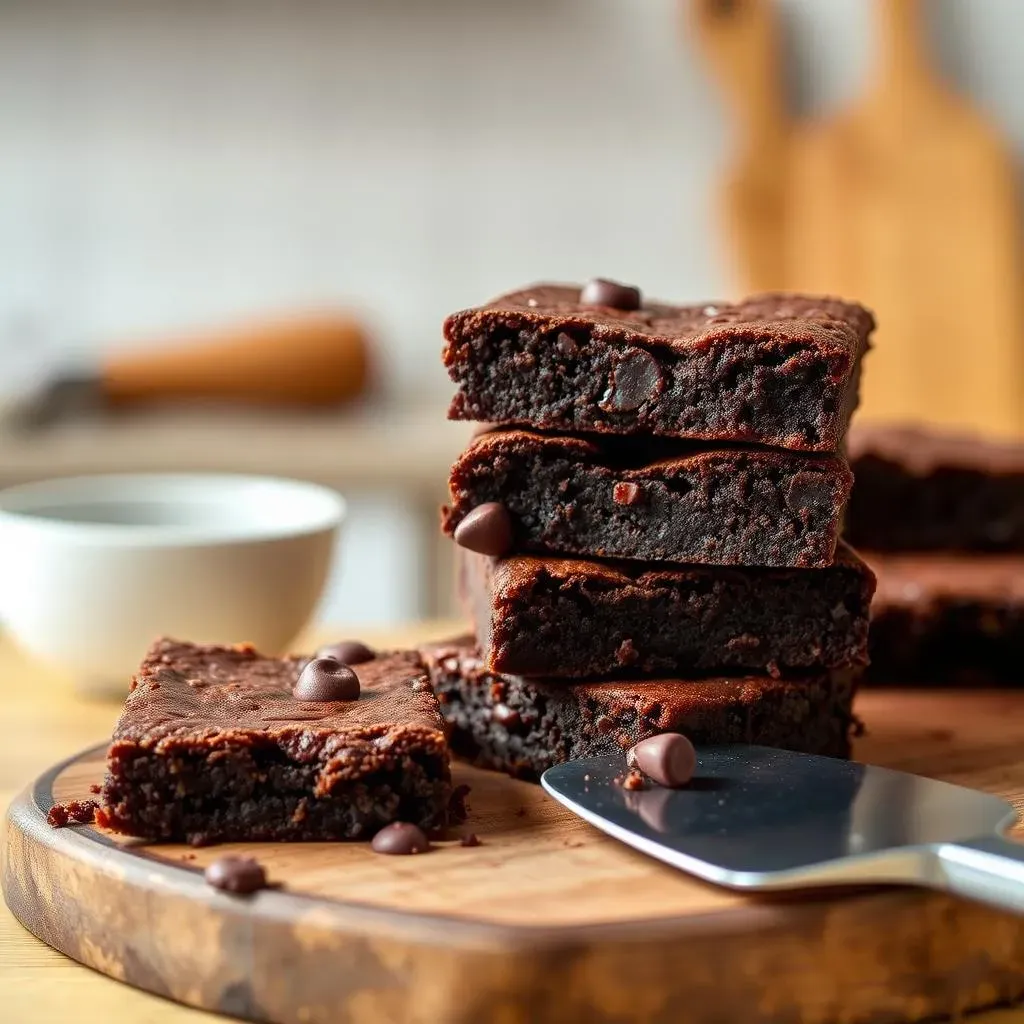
{"x": 906, "y": 201}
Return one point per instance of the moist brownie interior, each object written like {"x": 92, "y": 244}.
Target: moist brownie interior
{"x": 780, "y": 370}
{"x": 212, "y": 745}
{"x": 626, "y": 497}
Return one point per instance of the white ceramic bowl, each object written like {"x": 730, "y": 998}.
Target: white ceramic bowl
{"x": 93, "y": 569}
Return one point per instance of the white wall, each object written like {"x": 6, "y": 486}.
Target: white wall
{"x": 179, "y": 161}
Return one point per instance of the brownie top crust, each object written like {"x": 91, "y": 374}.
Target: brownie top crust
{"x": 827, "y": 324}
{"x": 915, "y": 580}
{"x": 644, "y": 455}
{"x": 199, "y": 696}
{"x": 515, "y": 576}
{"x": 663, "y": 701}
{"x": 922, "y": 450}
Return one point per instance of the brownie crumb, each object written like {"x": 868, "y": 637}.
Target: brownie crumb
{"x": 471, "y": 840}
{"x": 74, "y": 812}
{"x": 95, "y": 788}
{"x": 631, "y": 780}
{"x": 458, "y": 805}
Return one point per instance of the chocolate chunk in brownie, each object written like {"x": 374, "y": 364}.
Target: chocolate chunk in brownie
{"x": 524, "y": 726}
{"x": 627, "y": 497}
{"x": 575, "y": 618}
{"x": 919, "y": 489}
{"x": 780, "y": 370}
{"x": 212, "y": 745}
{"x": 940, "y": 619}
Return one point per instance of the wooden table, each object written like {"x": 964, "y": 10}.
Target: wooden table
{"x": 45, "y": 722}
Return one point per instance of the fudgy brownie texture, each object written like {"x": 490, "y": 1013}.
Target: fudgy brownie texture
{"x": 574, "y": 618}
{"x": 923, "y": 490}
{"x": 524, "y": 726}
{"x": 780, "y": 370}
{"x": 212, "y": 745}
{"x": 627, "y": 497}
{"x": 948, "y": 619}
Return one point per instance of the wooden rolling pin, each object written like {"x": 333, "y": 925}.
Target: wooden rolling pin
{"x": 310, "y": 360}
{"x": 314, "y": 359}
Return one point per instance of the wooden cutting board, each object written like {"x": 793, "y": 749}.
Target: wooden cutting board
{"x": 906, "y": 201}
{"x": 549, "y": 920}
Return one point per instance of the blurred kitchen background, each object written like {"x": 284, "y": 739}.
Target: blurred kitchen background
{"x": 167, "y": 168}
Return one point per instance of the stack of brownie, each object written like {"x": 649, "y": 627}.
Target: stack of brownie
{"x": 648, "y": 524}
{"x": 941, "y": 519}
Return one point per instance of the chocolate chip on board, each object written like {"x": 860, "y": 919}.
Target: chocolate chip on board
{"x": 400, "y": 838}
{"x": 239, "y": 875}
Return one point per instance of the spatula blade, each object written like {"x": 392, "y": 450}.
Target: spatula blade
{"x": 759, "y": 818}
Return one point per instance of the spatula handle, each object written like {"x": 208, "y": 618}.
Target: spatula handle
{"x": 990, "y": 870}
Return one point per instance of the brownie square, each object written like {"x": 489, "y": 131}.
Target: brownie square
{"x": 940, "y": 619}
{"x": 524, "y": 726}
{"x": 779, "y": 370}
{"x": 651, "y": 500}
{"x": 577, "y": 618}
{"x": 926, "y": 490}
{"x": 211, "y": 745}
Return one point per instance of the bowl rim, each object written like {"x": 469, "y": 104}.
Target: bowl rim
{"x": 317, "y": 508}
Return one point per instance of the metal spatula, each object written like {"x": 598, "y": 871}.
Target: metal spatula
{"x": 758, "y": 819}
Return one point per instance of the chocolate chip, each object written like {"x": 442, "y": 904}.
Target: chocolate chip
{"x": 505, "y": 716}
{"x": 487, "y": 530}
{"x": 635, "y": 380}
{"x": 400, "y": 838}
{"x": 668, "y": 758}
{"x": 627, "y": 654}
{"x": 241, "y": 875}
{"x": 325, "y": 679}
{"x": 348, "y": 652}
{"x": 600, "y": 292}
{"x": 566, "y": 345}
{"x": 624, "y": 493}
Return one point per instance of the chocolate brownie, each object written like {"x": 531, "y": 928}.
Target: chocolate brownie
{"x": 948, "y": 619}
{"x": 919, "y": 489}
{"x": 575, "y": 618}
{"x": 523, "y": 726}
{"x": 624, "y": 497}
{"x": 212, "y": 745}
{"x": 780, "y": 370}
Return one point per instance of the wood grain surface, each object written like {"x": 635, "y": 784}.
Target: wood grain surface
{"x": 549, "y": 920}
